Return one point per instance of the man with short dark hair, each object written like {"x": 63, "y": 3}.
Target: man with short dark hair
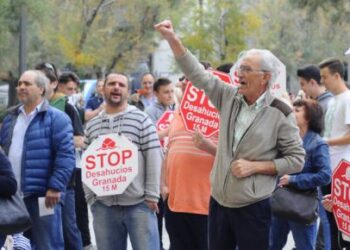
{"x": 68, "y": 83}
{"x": 164, "y": 91}
{"x": 38, "y": 140}
{"x": 337, "y": 123}
{"x": 132, "y": 212}
{"x": 310, "y": 82}
{"x": 258, "y": 141}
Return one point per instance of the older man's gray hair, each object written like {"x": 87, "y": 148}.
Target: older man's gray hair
{"x": 41, "y": 80}
{"x": 269, "y": 62}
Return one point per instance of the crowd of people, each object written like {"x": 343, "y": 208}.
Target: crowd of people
{"x": 213, "y": 192}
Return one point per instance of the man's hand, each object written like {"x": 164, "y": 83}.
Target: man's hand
{"x": 242, "y": 168}
{"x": 203, "y": 143}
{"x": 164, "y": 192}
{"x": 78, "y": 141}
{"x": 152, "y": 205}
{"x": 284, "y": 180}
{"x": 165, "y": 28}
{"x": 327, "y": 203}
{"x": 52, "y": 198}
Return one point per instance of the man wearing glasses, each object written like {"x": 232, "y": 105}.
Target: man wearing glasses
{"x": 258, "y": 141}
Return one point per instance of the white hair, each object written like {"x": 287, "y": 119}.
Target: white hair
{"x": 269, "y": 62}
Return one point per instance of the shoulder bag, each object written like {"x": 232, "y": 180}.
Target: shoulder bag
{"x": 294, "y": 204}
{"x": 14, "y": 217}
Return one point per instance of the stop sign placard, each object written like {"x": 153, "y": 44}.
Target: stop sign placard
{"x": 341, "y": 196}
{"x": 164, "y": 123}
{"x": 109, "y": 164}
{"x": 197, "y": 111}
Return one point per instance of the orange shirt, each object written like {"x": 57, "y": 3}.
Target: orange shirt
{"x": 188, "y": 170}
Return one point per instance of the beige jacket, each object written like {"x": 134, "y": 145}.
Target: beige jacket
{"x": 272, "y": 136}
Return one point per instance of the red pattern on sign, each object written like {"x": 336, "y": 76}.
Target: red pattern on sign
{"x": 197, "y": 112}
{"x": 108, "y": 143}
{"x": 341, "y": 196}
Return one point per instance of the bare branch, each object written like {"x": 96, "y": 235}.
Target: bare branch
{"x": 87, "y": 26}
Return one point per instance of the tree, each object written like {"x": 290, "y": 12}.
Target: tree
{"x": 297, "y": 37}
{"x": 216, "y": 32}
{"x": 103, "y": 35}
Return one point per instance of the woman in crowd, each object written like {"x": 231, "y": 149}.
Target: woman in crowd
{"x": 8, "y": 184}
{"x": 316, "y": 172}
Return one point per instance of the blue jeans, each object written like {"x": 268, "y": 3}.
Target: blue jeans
{"x": 326, "y": 231}
{"x": 113, "y": 224}
{"x": 46, "y": 231}
{"x": 304, "y": 235}
{"x": 72, "y": 236}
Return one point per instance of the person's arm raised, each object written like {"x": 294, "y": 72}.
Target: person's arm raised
{"x": 214, "y": 88}
{"x": 165, "y": 28}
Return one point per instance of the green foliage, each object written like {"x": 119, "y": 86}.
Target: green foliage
{"x": 216, "y": 30}
{"x": 297, "y": 37}
{"x": 87, "y": 36}
{"x": 337, "y": 11}
{"x": 98, "y": 36}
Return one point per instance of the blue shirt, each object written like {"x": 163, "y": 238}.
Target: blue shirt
{"x": 16, "y": 148}
{"x": 94, "y": 102}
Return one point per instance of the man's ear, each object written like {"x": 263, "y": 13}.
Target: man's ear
{"x": 337, "y": 75}
{"x": 58, "y": 87}
{"x": 267, "y": 76}
{"x": 156, "y": 94}
{"x": 54, "y": 84}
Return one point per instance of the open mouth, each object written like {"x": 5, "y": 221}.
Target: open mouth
{"x": 242, "y": 83}
{"x": 116, "y": 95}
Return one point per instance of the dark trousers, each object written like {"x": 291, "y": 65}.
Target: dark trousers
{"x": 186, "y": 231}
{"x": 246, "y": 227}
{"x": 160, "y": 217}
{"x": 81, "y": 209}
{"x": 2, "y": 240}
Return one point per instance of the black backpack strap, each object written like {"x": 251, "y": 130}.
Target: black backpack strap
{"x": 281, "y": 106}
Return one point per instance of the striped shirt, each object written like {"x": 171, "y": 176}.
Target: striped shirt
{"x": 139, "y": 129}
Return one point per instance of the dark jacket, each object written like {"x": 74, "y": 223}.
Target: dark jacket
{"x": 8, "y": 184}
{"x": 48, "y": 152}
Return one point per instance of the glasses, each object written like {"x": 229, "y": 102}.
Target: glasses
{"x": 51, "y": 68}
{"x": 247, "y": 69}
